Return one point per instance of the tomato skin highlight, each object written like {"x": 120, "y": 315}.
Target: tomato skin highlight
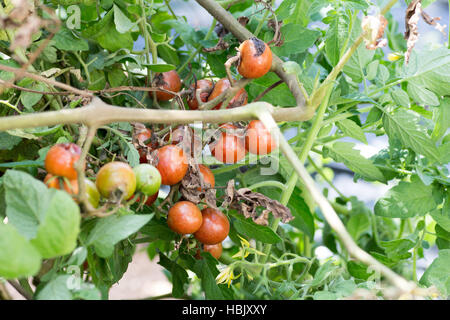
{"x": 115, "y": 176}
{"x": 215, "y": 227}
{"x": 240, "y": 99}
{"x": 255, "y": 58}
{"x": 148, "y": 179}
{"x": 184, "y": 217}
{"x": 214, "y": 249}
{"x": 228, "y": 148}
{"x": 258, "y": 139}
{"x": 206, "y": 86}
{"x": 208, "y": 176}
{"x": 169, "y": 80}
{"x": 60, "y": 160}
{"x": 172, "y": 164}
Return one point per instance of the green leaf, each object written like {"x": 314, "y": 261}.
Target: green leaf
{"x": 254, "y": 231}
{"x": 442, "y": 119}
{"x": 335, "y": 37}
{"x": 406, "y": 200}
{"x": 404, "y": 125}
{"x": 304, "y": 220}
{"x": 323, "y": 273}
{"x": 438, "y": 273}
{"x": 18, "y": 258}
{"x": 7, "y": 141}
{"x": 352, "y": 130}
{"x": 280, "y": 96}
{"x": 29, "y": 99}
{"x": 116, "y": 77}
{"x": 372, "y": 70}
{"x": 57, "y": 233}
{"x": 357, "y": 225}
{"x": 398, "y": 249}
{"x": 297, "y": 39}
{"x": 122, "y": 22}
{"x": 428, "y": 73}
{"x": 57, "y": 289}
{"x": 442, "y": 217}
{"x": 27, "y": 201}
{"x": 207, "y": 271}
{"x": 65, "y": 40}
{"x": 160, "y": 67}
{"x": 400, "y": 97}
{"x": 157, "y": 229}
{"x": 344, "y": 152}
{"x": 110, "y": 230}
{"x": 179, "y": 276}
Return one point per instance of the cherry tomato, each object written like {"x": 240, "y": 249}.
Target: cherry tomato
{"x": 172, "y": 164}
{"x": 214, "y": 249}
{"x": 169, "y": 80}
{"x": 60, "y": 160}
{"x": 116, "y": 176}
{"x": 208, "y": 176}
{"x": 206, "y": 86}
{"x": 148, "y": 179}
{"x": 142, "y": 136}
{"x": 56, "y": 182}
{"x": 255, "y": 58}
{"x": 152, "y": 199}
{"x": 184, "y": 217}
{"x": 229, "y": 148}
{"x": 215, "y": 227}
{"x": 258, "y": 139}
{"x": 91, "y": 190}
{"x": 238, "y": 100}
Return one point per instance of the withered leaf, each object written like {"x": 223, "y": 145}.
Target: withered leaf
{"x": 195, "y": 189}
{"x": 246, "y": 202}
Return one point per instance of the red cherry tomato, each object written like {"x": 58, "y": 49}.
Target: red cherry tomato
{"x": 184, "y": 217}
{"x": 172, "y": 164}
{"x": 214, "y": 249}
{"x": 143, "y": 136}
{"x": 205, "y": 86}
{"x": 238, "y": 100}
{"x": 258, "y": 139}
{"x": 116, "y": 176}
{"x": 215, "y": 227}
{"x": 60, "y": 160}
{"x": 255, "y": 58}
{"x": 169, "y": 80}
{"x": 229, "y": 148}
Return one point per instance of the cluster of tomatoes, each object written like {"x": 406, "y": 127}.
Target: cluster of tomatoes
{"x": 117, "y": 181}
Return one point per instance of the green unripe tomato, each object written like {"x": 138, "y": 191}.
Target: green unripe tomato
{"x": 148, "y": 179}
{"x": 92, "y": 193}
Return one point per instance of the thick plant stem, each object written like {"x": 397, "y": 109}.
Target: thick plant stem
{"x": 328, "y": 212}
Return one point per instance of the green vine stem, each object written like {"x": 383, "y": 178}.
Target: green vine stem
{"x": 328, "y": 212}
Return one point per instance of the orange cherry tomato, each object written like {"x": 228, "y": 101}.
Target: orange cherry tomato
{"x": 169, "y": 80}
{"x": 208, "y": 176}
{"x": 214, "y": 249}
{"x": 255, "y": 58}
{"x": 238, "y": 100}
{"x": 258, "y": 139}
{"x": 172, "y": 164}
{"x": 60, "y": 160}
{"x": 206, "y": 86}
{"x": 215, "y": 227}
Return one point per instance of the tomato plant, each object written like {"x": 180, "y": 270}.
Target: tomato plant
{"x": 304, "y": 144}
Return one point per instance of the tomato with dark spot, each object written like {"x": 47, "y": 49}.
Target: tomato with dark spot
{"x": 238, "y": 100}
{"x": 258, "y": 139}
{"x": 255, "y": 58}
{"x": 115, "y": 177}
{"x": 172, "y": 164}
{"x": 184, "y": 217}
{"x": 229, "y": 148}
{"x": 215, "y": 227}
{"x": 207, "y": 175}
{"x": 205, "y": 86}
{"x": 169, "y": 80}
{"x": 214, "y": 249}
{"x": 60, "y": 160}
